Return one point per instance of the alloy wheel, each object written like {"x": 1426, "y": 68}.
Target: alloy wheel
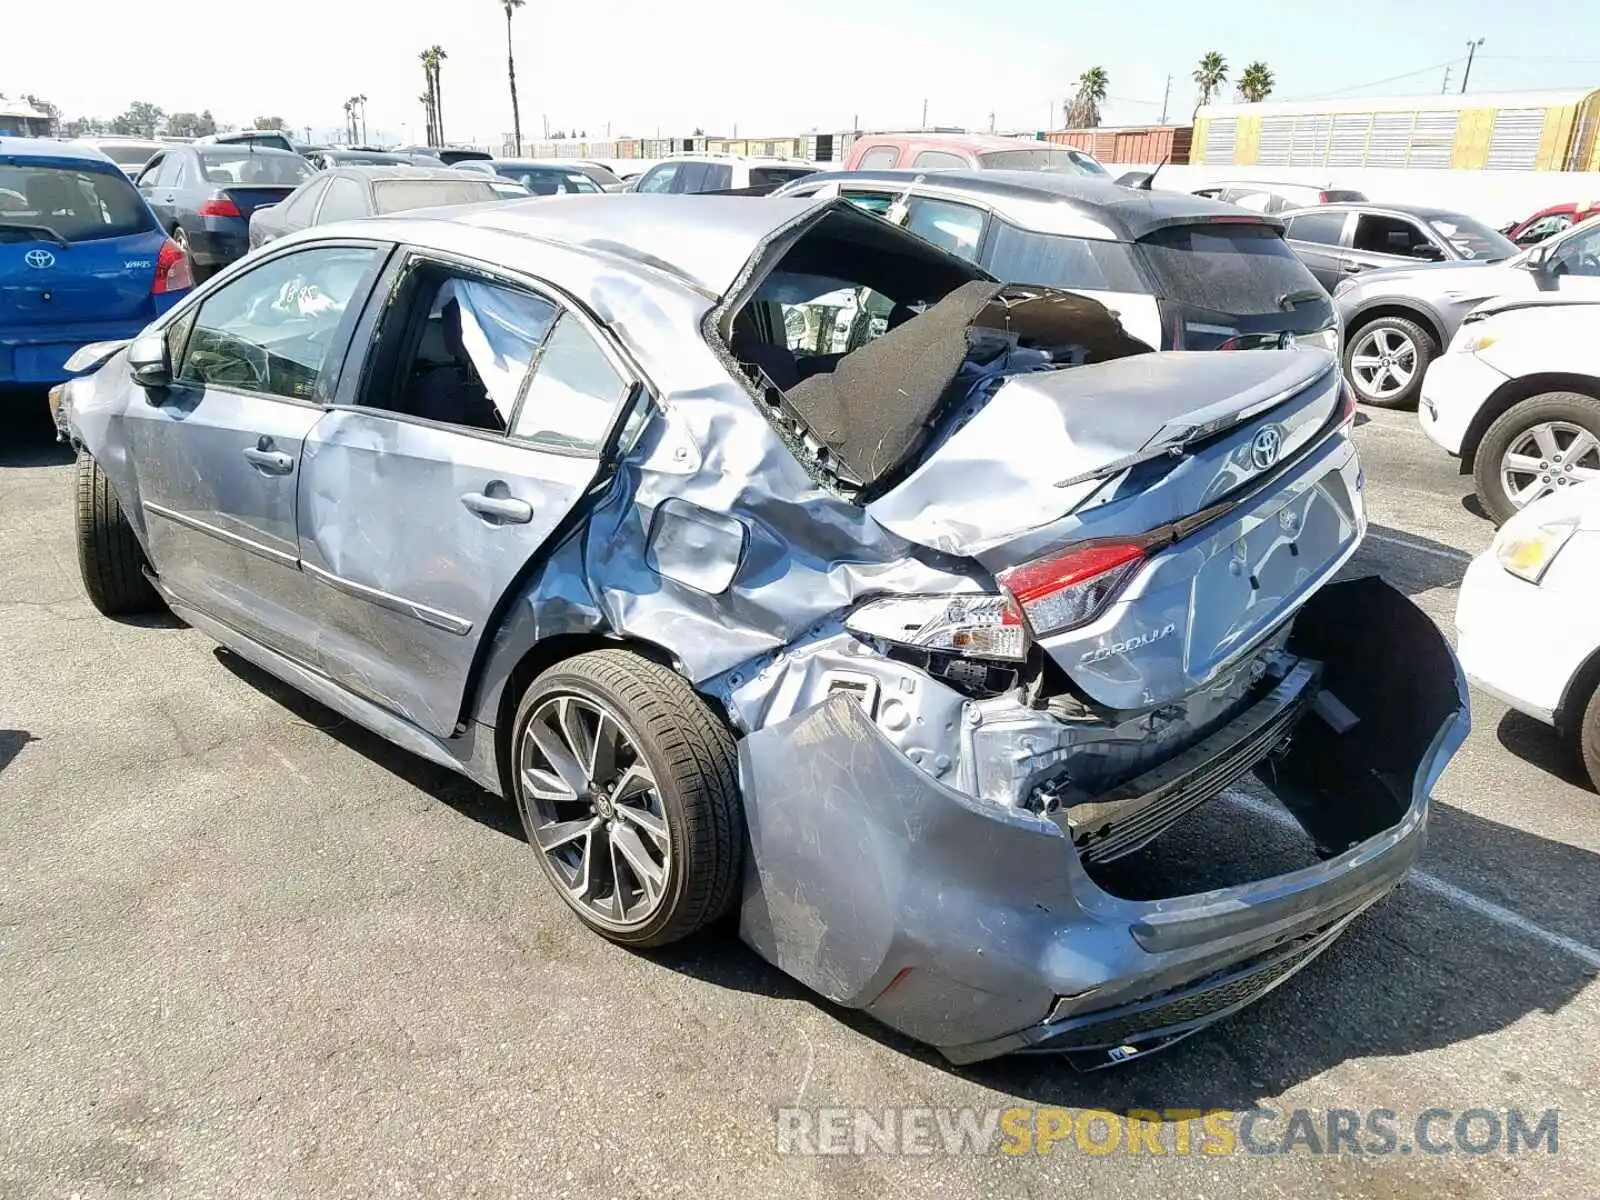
{"x": 1384, "y": 361}
{"x": 1547, "y": 457}
{"x": 595, "y": 811}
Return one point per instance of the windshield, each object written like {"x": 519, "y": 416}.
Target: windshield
{"x": 74, "y": 205}
{"x": 549, "y": 181}
{"x": 253, "y": 167}
{"x": 1472, "y": 240}
{"x": 769, "y": 176}
{"x": 399, "y": 195}
{"x": 1058, "y": 159}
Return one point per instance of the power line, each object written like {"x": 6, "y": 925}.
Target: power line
{"x": 1428, "y": 70}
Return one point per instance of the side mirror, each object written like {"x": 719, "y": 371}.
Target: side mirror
{"x": 148, "y": 361}
{"x": 1427, "y": 251}
{"x": 1537, "y": 259}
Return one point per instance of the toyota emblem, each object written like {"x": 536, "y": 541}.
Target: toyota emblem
{"x": 39, "y": 260}
{"x": 1264, "y": 447}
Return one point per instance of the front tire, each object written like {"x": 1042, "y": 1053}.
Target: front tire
{"x": 626, "y": 785}
{"x": 1544, "y": 444}
{"x": 110, "y": 558}
{"x": 1385, "y": 360}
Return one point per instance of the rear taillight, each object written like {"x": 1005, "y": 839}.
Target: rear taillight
{"x": 1347, "y": 406}
{"x": 1070, "y": 589}
{"x": 1322, "y": 198}
{"x": 173, "y": 273}
{"x": 219, "y": 205}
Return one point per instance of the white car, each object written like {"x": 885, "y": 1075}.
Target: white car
{"x": 1528, "y": 619}
{"x": 1517, "y": 399}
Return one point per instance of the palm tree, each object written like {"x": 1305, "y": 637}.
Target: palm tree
{"x": 362, "y": 100}
{"x": 1256, "y": 83}
{"x": 1083, "y": 110}
{"x": 1211, "y": 74}
{"x": 438, "y": 88}
{"x": 511, "y": 6}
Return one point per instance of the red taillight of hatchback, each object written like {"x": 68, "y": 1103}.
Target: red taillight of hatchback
{"x": 219, "y": 205}
{"x": 1070, "y": 589}
{"x": 173, "y": 273}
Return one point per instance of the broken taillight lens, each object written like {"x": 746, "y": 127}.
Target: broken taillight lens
{"x": 974, "y": 626}
{"x": 1069, "y": 589}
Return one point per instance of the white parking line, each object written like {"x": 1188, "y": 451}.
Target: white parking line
{"x": 1499, "y": 914}
{"x": 1459, "y": 557}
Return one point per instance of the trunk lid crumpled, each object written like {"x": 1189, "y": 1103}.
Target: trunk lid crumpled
{"x": 993, "y": 491}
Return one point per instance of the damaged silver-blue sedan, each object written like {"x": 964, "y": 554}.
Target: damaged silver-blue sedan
{"x": 773, "y": 561}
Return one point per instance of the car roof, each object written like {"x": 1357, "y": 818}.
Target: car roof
{"x": 749, "y": 160}
{"x": 559, "y": 164}
{"x": 240, "y": 148}
{"x": 53, "y": 148}
{"x": 968, "y": 141}
{"x": 703, "y": 241}
{"x": 358, "y": 170}
{"x": 1026, "y": 198}
{"x": 1425, "y": 212}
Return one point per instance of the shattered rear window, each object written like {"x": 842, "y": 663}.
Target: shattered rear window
{"x": 1235, "y": 267}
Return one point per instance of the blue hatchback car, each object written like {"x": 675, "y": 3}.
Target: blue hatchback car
{"x": 82, "y": 258}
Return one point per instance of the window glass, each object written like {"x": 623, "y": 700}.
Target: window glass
{"x": 345, "y": 200}
{"x": 1472, "y": 239}
{"x": 234, "y": 165}
{"x": 1542, "y": 228}
{"x": 1237, "y": 268}
{"x": 127, "y": 154}
{"x": 1377, "y": 234}
{"x": 659, "y": 179}
{"x": 400, "y": 195}
{"x": 1579, "y": 252}
{"x": 1323, "y": 228}
{"x": 152, "y": 171}
{"x": 691, "y": 177}
{"x": 550, "y": 181}
{"x": 938, "y": 158}
{"x": 1055, "y": 159}
{"x": 271, "y": 330}
{"x": 298, "y": 208}
{"x": 719, "y": 177}
{"x": 953, "y": 227}
{"x": 879, "y": 158}
{"x": 574, "y": 392}
{"x": 763, "y": 176}
{"x": 1051, "y": 260}
{"x": 76, "y": 206}
{"x": 875, "y": 203}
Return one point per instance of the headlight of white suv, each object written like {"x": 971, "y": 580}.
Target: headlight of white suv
{"x": 1470, "y": 340}
{"x": 1527, "y": 550}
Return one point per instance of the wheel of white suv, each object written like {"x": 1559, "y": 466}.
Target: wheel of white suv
{"x": 110, "y": 558}
{"x": 627, "y": 789}
{"x": 1543, "y": 444}
{"x": 1385, "y": 360}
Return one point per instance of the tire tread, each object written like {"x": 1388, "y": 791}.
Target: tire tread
{"x": 110, "y": 558}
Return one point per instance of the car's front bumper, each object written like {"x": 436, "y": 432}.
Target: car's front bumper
{"x": 976, "y": 927}
{"x": 1456, "y": 386}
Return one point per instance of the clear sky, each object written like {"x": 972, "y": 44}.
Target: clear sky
{"x": 771, "y": 68}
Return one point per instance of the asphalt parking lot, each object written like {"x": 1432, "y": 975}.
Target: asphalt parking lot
{"x": 249, "y": 949}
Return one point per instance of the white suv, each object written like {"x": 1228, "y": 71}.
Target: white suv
{"x": 719, "y": 173}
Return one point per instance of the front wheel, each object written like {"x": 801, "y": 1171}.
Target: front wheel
{"x": 1541, "y": 445}
{"x": 110, "y": 558}
{"x": 1386, "y": 359}
{"x": 626, "y": 786}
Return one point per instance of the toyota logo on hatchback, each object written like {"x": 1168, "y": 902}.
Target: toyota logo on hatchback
{"x": 39, "y": 260}
{"x": 1264, "y": 448}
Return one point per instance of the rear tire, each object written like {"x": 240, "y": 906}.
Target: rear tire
{"x": 110, "y": 558}
{"x": 660, "y": 793}
{"x": 1515, "y": 438}
{"x": 1410, "y": 347}
{"x": 1589, "y": 739}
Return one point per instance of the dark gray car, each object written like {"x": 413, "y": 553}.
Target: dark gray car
{"x": 352, "y": 192}
{"x": 903, "y": 654}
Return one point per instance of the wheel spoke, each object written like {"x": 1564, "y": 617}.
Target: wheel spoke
{"x": 572, "y": 720}
{"x": 652, "y": 878}
{"x": 1524, "y": 464}
{"x": 1365, "y": 362}
{"x": 604, "y": 752}
{"x": 561, "y": 833}
{"x": 1544, "y": 437}
{"x": 1580, "y": 447}
{"x": 561, "y": 759}
{"x": 546, "y": 785}
{"x": 647, "y": 821}
{"x": 1583, "y": 474}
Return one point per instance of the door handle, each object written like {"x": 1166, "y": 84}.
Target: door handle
{"x": 274, "y": 462}
{"x": 500, "y": 510}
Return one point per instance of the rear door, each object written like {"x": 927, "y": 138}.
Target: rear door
{"x": 1317, "y": 237}
{"x": 218, "y": 452}
{"x": 444, "y": 471}
{"x": 157, "y": 183}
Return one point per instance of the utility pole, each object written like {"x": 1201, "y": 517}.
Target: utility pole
{"x": 924, "y": 113}
{"x": 991, "y": 120}
{"x": 1165, "y": 96}
{"x": 1472, "y": 49}
{"x": 1446, "y": 87}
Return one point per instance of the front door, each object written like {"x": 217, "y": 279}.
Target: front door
{"x": 217, "y": 453}
{"x": 1572, "y": 263}
{"x": 430, "y": 490}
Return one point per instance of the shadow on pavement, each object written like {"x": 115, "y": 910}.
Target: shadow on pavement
{"x": 1411, "y": 563}
{"x": 1537, "y": 743}
{"x": 11, "y": 743}
{"x": 444, "y": 785}
{"x": 27, "y": 436}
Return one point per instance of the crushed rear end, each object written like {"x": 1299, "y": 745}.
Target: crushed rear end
{"x": 945, "y": 794}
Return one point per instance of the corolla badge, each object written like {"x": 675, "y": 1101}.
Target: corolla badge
{"x": 1147, "y": 638}
{"x": 1264, "y": 447}
{"x": 39, "y": 260}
